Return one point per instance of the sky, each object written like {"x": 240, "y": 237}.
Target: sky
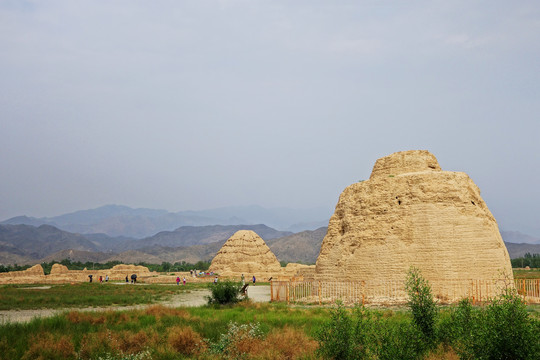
{"x": 191, "y": 105}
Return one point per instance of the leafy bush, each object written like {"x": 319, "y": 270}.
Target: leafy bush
{"x": 226, "y": 292}
{"x": 349, "y": 337}
{"x": 502, "y": 330}
{"x": 422, "y": 305}
{"x": 401, "y": 340}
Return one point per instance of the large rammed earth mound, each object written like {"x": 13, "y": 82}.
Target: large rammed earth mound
{"x": 245, "y": 253}
{"x": 411, "y": 213}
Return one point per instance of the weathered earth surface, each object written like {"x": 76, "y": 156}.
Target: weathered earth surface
{"x": 35, "y": 274}
{"x": 411, "y": 213}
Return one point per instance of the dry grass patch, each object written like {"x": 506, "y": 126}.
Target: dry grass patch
{"x": 46, "y": 346}
{"x": 159, "y": 311}
{"x": 287, "y": 343}
{"x": 132, "y": 343}
{"x": 96, "y": 343}
{"x": 443, "y": 353}
{"x": 186, "y": 341}
{"x": 77, "y": 317}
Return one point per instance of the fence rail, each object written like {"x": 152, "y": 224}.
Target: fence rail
{"x": 393, "y": 292}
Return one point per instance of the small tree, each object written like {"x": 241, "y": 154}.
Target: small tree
{"x": 422, "y": 305}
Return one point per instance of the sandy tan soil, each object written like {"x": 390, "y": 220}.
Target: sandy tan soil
{"x": 194, "y": 298}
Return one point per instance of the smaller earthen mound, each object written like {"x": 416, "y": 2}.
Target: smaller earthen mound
{"x": 245, "y": 253}
{"x": 129, "y": 268}
{"x": 34, "y": 270}
{"x": 28, "y": 276}
{"x": 58, "y": 269}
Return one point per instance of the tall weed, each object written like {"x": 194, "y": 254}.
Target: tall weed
{"x": 422, "y": 305}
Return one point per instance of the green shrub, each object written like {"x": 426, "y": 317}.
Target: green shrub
{"x": 422, "y": 305}
{"x": 502, "y": 330}
{"x": 226, "y": 292}
{"x": 348, "y": 336}
{"x": 336, "y": 337}
{"x": 401, "y": 340}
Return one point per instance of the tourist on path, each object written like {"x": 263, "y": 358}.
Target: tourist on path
{"x": 254, "y": 279}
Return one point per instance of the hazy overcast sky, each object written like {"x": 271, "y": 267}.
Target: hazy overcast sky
{"x": 187, "y": 105}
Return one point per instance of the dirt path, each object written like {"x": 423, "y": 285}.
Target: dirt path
{"x": 195, "y": 297}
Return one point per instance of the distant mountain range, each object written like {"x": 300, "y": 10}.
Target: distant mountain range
{"x": 123, "y": 221}
{"x": 27, "y": 244}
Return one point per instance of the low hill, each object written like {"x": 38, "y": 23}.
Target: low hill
{"x": 78, "y": 255}
{"x": 517, "y": 237}
{"x": 25, "y": 244}
{"x": 300, "y": 247}
{"x": 519, "y": 250}
{"x": 199, "y": 235}
{"x": 41, "y": 241}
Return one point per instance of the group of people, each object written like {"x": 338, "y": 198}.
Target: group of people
{"x": 100, "y": 278}
{"x": 178, "y": 280}
{"x": 244, "y": 280}
{"x": 133, "y": 278}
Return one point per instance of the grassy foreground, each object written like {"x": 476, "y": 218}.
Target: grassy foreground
{"x": 159, "y": 332}
{"x": 242, "y": 331}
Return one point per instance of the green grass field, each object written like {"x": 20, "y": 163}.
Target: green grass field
{"x": 61, "y": 296}
{"x": 526, "y": 274}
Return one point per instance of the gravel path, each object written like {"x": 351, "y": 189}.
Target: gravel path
{"x": 195, "y": 297}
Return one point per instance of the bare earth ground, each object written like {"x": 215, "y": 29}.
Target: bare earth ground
{"x": 195, "y": 297}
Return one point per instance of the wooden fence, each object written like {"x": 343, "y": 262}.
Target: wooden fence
{"x": 393, "y": 292}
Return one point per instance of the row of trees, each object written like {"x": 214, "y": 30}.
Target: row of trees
{"x": 530, "y": 260}
{"x": 78, "y": 265}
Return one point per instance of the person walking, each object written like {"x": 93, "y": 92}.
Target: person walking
{"x": 254, "y": 279}
{"x": 106, "y": 278}
{"x": 178, "y": 280}
{"x": 184, "y": 280}
{"x": 243, "y": 280}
